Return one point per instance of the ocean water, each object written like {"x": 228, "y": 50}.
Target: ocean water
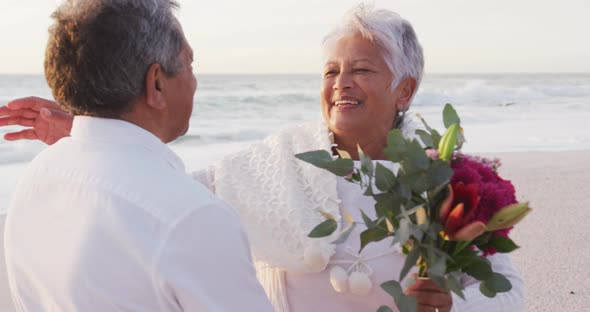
{"x": 499, "y": 112}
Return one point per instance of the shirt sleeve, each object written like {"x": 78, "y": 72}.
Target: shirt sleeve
{"x": 205, "y": 265}
{"x": 510, "y": 301}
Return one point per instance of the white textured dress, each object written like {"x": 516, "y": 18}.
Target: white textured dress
{"x": 278, "y": 198}
{"x": 308, "y": 290}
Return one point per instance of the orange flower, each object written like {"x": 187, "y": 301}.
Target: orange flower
{"x": 457, "y": 212}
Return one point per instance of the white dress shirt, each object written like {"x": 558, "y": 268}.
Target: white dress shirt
{"x": 107, "y": 220}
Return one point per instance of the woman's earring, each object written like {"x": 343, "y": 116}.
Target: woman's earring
{"x": 399, "y": 119}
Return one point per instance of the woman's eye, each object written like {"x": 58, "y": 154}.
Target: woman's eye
{"x": 360, "y": 70}
{"x": 330, "y": 73}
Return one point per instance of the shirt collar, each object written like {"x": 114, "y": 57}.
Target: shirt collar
{"x": 120, "y": 131}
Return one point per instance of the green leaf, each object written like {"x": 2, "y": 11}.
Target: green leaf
{"x": 384, "y": 178}
{"x": 416, "y": 201}
{"x": 461, "y": 259}
{"x": 369, "y": 190}
{"x": 373, "y": 235}
{"x": 483, "y": 239}
{"x": 438, "y": 174}
{"x": 426, "y": 138}
{"x": 440, "y": 191}
{"x": 418, "y": 231}
{"x": 356, "y": 176}
{"x": 396, "y": 138}
{"x": 503, "y": 244}
{"x": 434, "y": 230}
{"x": 340, "y": 167}
{"x": 454, "y": 281}
{"x": 344, "y": 234}
{"x": 417, "y": 155}
{"x": 497, "y": 283}
{"x": 402, "y": 234}
{"x": 479, "y": 268}
{"x": 368, "y": 222}
{"x": 366, "y": 162}
{"x": 433, "y": 250}
{"x": 404, "y": 303}
{"x": 416, "y": 180}
{"x": 323, "y": 159}
{"x": 407, "y": 304}
{"x": 436, "y": 266}
{"x": 440, "y": 281}
{"x": 486, "y": 291}
{"x": 437, "y": 269}
{"x": 450, "y": 116}
{"x": 402, "y": 192}
{"x": 410, "y": 262}
{"x": 424, "y": 122}
{"x": 408, "y": 167}
{"x": 396, "y": 146}
{"x": 387, "y": 203}
{"x": 394, "y": 289}
{"x": 317, "y": 156}
{"x": 435, "y": 138}
{"x": 384, "y": 309}
{"x": 324, "y": 229}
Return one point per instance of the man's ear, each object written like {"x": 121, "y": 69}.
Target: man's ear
{"x": 407, "y": 89}
{"x": 154, "y": 81}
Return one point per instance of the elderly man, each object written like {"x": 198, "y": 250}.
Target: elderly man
{"x": 107, "y": 219}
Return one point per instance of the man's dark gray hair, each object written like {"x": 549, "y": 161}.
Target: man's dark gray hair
{"x": 99, "y": 52}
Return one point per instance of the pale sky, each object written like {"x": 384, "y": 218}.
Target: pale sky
{"x": 283, "y": 36}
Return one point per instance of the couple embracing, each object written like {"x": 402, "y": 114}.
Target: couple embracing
{"x": 107, "y": 219}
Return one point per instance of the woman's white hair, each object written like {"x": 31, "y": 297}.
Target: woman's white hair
{"x": 394, "y": 35}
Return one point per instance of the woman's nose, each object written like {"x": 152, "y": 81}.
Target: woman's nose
{"x": 343, "y": 81}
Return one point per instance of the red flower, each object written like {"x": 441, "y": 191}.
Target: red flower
{"x": 458, "y": 210}
{"x": 493, "y": 193}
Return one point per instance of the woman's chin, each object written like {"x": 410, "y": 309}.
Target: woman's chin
{"x": 346, "y": 127}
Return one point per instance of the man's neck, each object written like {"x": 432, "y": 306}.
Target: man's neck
{"x": 148, "y": 122}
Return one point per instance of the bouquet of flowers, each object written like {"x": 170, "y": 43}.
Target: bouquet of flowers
{"x": 447, "y": 210}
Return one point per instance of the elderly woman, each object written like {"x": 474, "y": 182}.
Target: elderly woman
{"x": 373, "y": 67}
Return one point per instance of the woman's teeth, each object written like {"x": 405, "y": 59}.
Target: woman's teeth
{"x": 346, "y": 102}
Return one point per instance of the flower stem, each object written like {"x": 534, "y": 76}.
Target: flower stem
{"x": 461, "y": 246}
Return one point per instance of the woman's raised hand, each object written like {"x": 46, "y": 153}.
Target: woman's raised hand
{"x": 43, "y": 119}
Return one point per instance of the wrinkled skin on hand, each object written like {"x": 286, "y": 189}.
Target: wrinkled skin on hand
{"x": 43, "y": 119}
{"x": 429, "y": 296}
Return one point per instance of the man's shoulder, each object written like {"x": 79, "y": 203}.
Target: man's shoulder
{"x": 162, "y": 191}
{"x": 132, "y": 173}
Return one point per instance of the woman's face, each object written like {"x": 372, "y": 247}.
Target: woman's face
{"x": 356, "y": 88}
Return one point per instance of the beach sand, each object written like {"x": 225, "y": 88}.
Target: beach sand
{"x": 554, "y": 239}
{"x": 555, "y": 245}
